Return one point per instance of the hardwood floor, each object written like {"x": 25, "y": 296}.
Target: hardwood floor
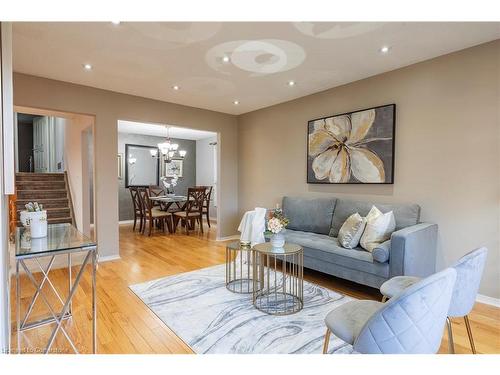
{"x": 126, "y": 325}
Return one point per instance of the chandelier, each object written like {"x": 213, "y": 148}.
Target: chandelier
{"x": 168, "y": 149}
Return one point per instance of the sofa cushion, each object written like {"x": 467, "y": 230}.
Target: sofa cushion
{"x": 327, "y": 249}
{"x": 405, "y": 214}
{"x": 309, "y": 214}
{"x": 381, "y": 252}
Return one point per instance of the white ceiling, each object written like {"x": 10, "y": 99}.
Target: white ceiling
{"x": 160, "y": 130}
{"x": 147, "y": 59}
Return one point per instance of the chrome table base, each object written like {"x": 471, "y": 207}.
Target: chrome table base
{"x": 66, "y": 310}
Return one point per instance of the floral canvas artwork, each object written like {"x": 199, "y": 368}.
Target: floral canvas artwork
{"x": 355, "y": 147}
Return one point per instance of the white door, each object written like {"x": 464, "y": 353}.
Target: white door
{"x": 48, "y": 143}
{"x": 41, "y": 144}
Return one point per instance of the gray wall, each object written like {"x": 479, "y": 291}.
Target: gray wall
{"x": 126, "y": 210}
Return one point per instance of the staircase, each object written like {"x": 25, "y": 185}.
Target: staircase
{"x": 49, "y": 189}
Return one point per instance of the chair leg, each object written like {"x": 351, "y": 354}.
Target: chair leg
{"x": 384, "y": 298}
{"x": 327, "y": 341}
{"x": 186, "y": 225}
{"x": 175, "y": 223}
{"x": 208, "y": 219}
{"x": 150, "y": 226}
{"x": 200, "y": 221}
{"x": 135, "y": 222}
{"x": 469, "y": 333}
{"x": 451, "y": 345}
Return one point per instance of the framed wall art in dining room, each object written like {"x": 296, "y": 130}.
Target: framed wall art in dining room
{"x": 174, "y": 168}
{"x": 352, "y": 148}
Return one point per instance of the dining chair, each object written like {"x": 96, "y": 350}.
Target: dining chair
{"x": 193, "y": 210}
{"x": 156, "y": 191}
{"x": 469, "y": 272}
{"x": 152, "y": 214}
{"x": 410, "y": 323}
{"x": 136, "y": 201}
{"x": 206, "y": 202}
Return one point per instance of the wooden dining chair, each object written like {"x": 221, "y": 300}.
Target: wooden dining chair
{"x": 206, "y": 202}
{"x": 193, "y": 210}
{"x": 156, "y": 191}
{"x": 151, "y": 214}
{"x": 136, "y": 200}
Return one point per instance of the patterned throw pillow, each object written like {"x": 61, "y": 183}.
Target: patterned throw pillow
{"x": 379, "y": 228}
{"x": 351, "y": 231}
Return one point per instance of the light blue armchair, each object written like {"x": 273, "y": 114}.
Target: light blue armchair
{"x": 469, "y": 271}
{"x": 412, "y": 322}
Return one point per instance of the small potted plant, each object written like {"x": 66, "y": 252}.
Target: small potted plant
{"x": 35, "y": 218}
{"x": 276, "y": 226}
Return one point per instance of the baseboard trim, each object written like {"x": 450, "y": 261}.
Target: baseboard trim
{"x": 125, "y": 222}
{"x": 488, "y": 300}
{"x": 227, "y": 238}
{"x": 109, "y": 258}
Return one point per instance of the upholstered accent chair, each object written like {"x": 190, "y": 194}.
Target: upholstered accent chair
{"x": 410, "y": 323}
{"x": 469, "y": 272}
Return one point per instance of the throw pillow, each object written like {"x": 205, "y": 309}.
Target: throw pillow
{"x": 351, "y": 231}
{"x": 379, "y": 228}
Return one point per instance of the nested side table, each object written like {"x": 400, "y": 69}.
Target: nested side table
{"x": 280, "y": 273}
{"x": 239, "y": 269}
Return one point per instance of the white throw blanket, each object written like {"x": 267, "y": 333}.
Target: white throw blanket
{"x": 253, "y": 225}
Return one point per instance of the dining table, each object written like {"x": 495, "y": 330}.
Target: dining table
{"x": 166, "y": 201}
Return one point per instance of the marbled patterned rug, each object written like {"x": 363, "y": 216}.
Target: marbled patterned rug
{"x": 210, "y": 319}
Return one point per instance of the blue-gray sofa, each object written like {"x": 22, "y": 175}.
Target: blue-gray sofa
{"x": 315, "y": 223}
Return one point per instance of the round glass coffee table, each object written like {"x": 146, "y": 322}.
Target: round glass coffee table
{"x": 280, "y": 276}
{"x": 239, "y": 269}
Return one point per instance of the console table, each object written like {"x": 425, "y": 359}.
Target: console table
{"x": 61, "y": 240}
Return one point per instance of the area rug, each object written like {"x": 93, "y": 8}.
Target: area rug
{"x": 211, "y": 319}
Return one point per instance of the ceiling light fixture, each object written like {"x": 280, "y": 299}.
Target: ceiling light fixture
{"x": 225, "y": 59}
{"x": 385, "y": 49}
{"x": 291, "y": 83}
{"x": 87, "y": 66}
{"x": 116, "y": 23}
{"x": 236, "y": 102}
{"x": 175, "y": 87}
{"x": 168, "y": 150}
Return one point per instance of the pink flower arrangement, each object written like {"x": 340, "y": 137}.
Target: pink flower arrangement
{"x": 277, "y": 222}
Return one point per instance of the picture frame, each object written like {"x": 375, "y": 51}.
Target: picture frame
{"x": 174, "y": 168}
{"x": 356, "y": 147}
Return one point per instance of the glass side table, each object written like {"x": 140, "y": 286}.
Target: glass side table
{"x": 280, "y": 274}
{"x": 239, "y": 269}
{"x": 63, "y": 240}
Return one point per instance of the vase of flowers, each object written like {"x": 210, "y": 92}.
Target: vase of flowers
{"x": 276, "y": 226}
{"x": 169, "y": 183}
{"x": 35, "y": 218}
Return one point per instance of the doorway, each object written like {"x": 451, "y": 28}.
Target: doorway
{"x": 52, "y": 143}
{"x": 191, "y": 161}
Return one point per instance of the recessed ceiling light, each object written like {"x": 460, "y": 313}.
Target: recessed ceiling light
{"x": 225, "y": 59}
{"x": 115, "y": 22}
{"x": 291, "y": 83}
{"x": 87, "y": 66}
{"x": 175, "y": 87}
{"x": 385, "y": 49}
{"x": 236, "y": 102}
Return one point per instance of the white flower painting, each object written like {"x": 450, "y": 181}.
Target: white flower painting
{"x": 355, "y": 147}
